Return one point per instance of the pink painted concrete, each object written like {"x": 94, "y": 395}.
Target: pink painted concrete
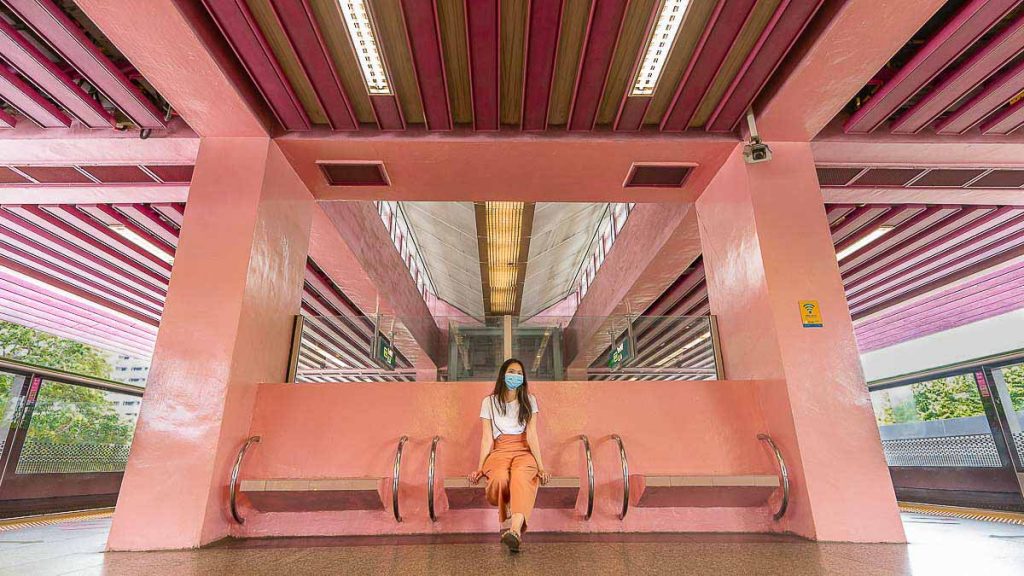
{"x": 655, "y": 245}
{"x": 95, "y": 194}
{"x": 370, "y": 254}
{"x": 766, "y": 247}
{"x": 854, "y": 44}
{"x": 172, "y": 43}
{"x": 873, "y": 195}
{"x": 227, "y": 323}
{"x": 352, "y": 429}
{"x": 524, "y": 167}
{"x": 29, "y": 144}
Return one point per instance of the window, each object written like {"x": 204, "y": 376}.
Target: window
{"x": 938, "y": 422}
{"x": 1009, "y": 385}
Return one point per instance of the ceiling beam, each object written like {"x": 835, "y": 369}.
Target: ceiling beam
{"x": 852, "y": 41}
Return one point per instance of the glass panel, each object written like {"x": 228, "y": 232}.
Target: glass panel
{"x": 78, "y": 429}
{"x": 935, "y": 423}
{"x": 9, "y": 386}
{"x": 1009, "y": 384}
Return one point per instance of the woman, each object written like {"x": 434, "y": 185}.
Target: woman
{"x": 510, "y": 451}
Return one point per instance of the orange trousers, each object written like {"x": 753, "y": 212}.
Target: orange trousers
{"x": 512, "y": 480}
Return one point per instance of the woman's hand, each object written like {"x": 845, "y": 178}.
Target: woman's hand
{"x": 544, "y": 477}
{"x": 474, "y": 477}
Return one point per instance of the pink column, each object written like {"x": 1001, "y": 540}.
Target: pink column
{"x": 766, "y": 247}
{"x": 236, "y": 285}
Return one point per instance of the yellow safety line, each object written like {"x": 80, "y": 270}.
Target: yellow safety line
{"x": 56, "y": 518}
{"x": 966, "y": 513}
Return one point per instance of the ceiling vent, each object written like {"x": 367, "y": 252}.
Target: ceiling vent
{"x": 829, "y": 176}
{"x": 657, "y": 176}
{"x": 117, "y": 174}
{"x": 887, "y": 176}
{"x": 355, "y": 174}
{"x": 942, "y": 178}
{"x": 55, "y": 174}
{"x": 8, "y": 176}
{"x": 1000, "y": 179}
{"x": 172, "y": 174}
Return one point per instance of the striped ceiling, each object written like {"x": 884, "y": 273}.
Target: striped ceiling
{"x": 66, "y": 270}
{"x": 62, "y": 71}
{"x": 963, "y": 71}
{"x": 937, "y": 267}
{"x": 532, "y": 65}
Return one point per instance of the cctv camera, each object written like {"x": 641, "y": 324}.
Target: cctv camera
{"x": 756, "y": 152}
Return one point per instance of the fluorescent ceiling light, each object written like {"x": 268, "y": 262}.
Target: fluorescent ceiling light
{"x": 504, "y": 232}
{"x": 364, "y": 41}
{"x": 871, "y": 237}
{"x": 142, "y": 242}
{"x": 670, "y": 20}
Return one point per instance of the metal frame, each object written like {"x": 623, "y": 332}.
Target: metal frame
{"x": 233, "y": 485}
{"x": 396, "y": 475}
{"x": 430, "y": 479}
{"x": 60, "y": 376}
{"x": 716, "y": 343}
{"x": 293, "y": 359}
{"x": 783, "y": 475}
{"x": 590, "y": 477}
{"x": 625, "y": 476}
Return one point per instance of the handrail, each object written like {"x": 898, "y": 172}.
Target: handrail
{"x": 63, "y": 376}
{"x": 625, "y": 476}
{"x": 233, "y": 486}
{"x": 430, "y": 479}
{"x": 395, "y": 476}
{"x": 590, "y": 477}
{"x": 783, "y": 475}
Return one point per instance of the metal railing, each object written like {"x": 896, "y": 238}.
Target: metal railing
{"x": 233, "y": 484}
{"x": 590, "y": 477}
{"x": 431, "y": 466}
{"x": 396, "y": 475}
{"x": 62, "y": 376}
{"x": 783, "y": 475}
{"x": 625, "y": 476}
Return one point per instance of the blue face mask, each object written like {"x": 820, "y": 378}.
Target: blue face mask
{"x": 513, "y": 381}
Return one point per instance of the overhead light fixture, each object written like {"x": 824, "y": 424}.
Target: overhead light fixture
{"x": 504, "y": 233}
{"x": 142, "y": 242}
{"x": 364, "y": 41}
{"x": 670, "y": 20}
{"x": 868, "y": 239}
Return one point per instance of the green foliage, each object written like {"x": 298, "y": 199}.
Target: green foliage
{"x": 898, "y": 414}
{"x": 1014, "y": 376}
{"x": 64, "y": 414}
{"x": 945, "y": 398}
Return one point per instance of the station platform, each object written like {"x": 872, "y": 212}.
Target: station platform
{"x": 936, "y": 546}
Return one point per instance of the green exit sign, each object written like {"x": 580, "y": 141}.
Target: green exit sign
{"x": 386, "y": 353}
{"x": 620, "y": 353}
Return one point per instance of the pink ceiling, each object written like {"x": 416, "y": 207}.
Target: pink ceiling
{"x": 963, "y": 71}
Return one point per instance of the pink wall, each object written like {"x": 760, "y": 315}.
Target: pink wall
{"x": 352, "y": 429}
{"x": 234, "y": 291}
{"x": 766, "y": 247}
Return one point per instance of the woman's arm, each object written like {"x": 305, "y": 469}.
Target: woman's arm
{"x": 486, "y": 444}
{"x": 534, "y": 442}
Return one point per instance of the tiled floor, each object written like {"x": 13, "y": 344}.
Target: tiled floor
{"x": 938, "y": 546}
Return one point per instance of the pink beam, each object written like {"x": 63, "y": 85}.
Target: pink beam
{"x": 602, "y": 37}
{"x": 572, "y": 167}
{"x": 1006, "y": 121}
{"x": 668, "y": 299}
{"x": 100, "y": 229}
{"x": 790, "y": 20}
{"x": 425, "y": 44}
{"x": 238, "y": 25}
{"x": 719, "y": 36}
{"x": 157, "y": 241}
{"x": 970, "y": 196}
{"x": 68, "y": 39}
{"x": 996, "y": 93}
{"x": 50, "y": 323}
{"x": 993, "y": 57}
{"x": 958, "y": 34}
{"x": 29, "y": 102}
{"x": 543, "y": 31}
{"x": 202, "y": 82}
{"x": 857, "y": 39}
{"x": 7, "y": 121}
{"x": 482, "y": 27}
{"x": 300, "y": 26}
{"x": 633, "y": 108}
{"x": 34, "y": 65}
{"x": 97, "y": 194}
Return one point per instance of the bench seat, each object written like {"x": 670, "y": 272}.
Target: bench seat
{"x": 653, "y": 491}
{"x": 561, "y": 492}
{"x": 313, "y": 495}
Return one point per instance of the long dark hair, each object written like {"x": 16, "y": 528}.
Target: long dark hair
{"x": 522, "y": 393}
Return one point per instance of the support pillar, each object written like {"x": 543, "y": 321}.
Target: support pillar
{"x": 227, "y": 325}
{"x": 767, "y": 246}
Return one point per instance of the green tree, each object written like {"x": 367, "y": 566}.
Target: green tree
{"x": 944, "y": 398}
{"x": 1014, "y": 376}
{"x": 64, "y": 414}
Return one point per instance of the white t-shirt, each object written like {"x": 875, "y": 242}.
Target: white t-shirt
{"x": 507, "y": 423}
